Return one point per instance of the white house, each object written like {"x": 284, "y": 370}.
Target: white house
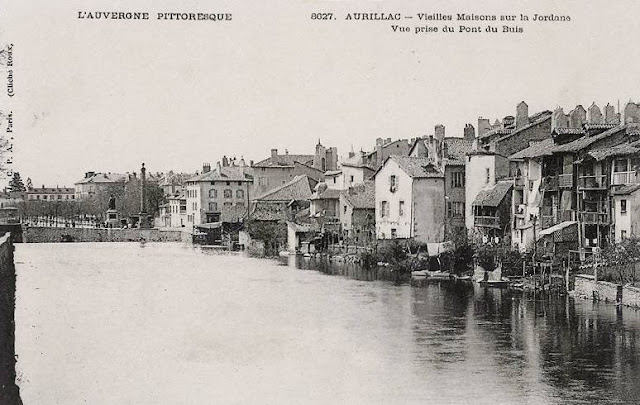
{"x": 410, "y": 203}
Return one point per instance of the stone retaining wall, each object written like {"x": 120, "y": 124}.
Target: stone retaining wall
{"x": 631, "y": 296}
{"x": 51, "y": 235}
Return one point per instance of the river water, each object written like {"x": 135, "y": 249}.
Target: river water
{"x": 121, "y": 323}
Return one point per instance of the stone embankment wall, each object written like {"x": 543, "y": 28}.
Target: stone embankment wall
{"x": 50, "y": 235}
{"x": 631, "y": 296}
{"x": 9, "y": 391}
{"x": 587, "y": 287}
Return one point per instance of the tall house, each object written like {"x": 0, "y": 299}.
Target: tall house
{"x": 213, "y": 191}
{"x": 409, "y": 195}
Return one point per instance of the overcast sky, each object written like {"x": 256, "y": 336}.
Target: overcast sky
{"x": 108, "y": 95}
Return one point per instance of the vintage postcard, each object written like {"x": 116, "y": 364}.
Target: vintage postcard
{"x": 319, "y": 202}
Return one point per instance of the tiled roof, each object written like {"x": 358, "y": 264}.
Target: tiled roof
{"x": 590, "y": 126}
{"x": 497, "y": 131}
{"x": 285, "y": 160}
{"x": 103, "y": 178}
{"x": 299, "y": 188}
{"x": 328, "y": 194}
{"x": 627, "y": 189}
{"x": 227, "y": 173}
{"x": 586, "y": 141}
{"x": 540, "y": 118}
{"x": 269, "y": 211}
{"x": 536, "y": 149}
{"x": 568, "y": 131}
{"x": 417, "y": 167}
{"x": 457, "y": 149}
{"x": 493, "y": 196}
{"x": 362, "y": 196}
{"x": 624, "y": 149}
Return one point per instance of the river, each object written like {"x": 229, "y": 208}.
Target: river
{"x": 122, "y": 323}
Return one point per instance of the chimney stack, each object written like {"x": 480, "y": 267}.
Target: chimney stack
{"x": 274, "y": 155}
{"x": 206, "y": 168}
{"x": 439, "y": 132}
{"x": 219, "y": 167}
{"x": 484, "y": 126}
{"x": 522, "y": 115}
{"x": 594, "y": 115}
{"x": 469, "y": 132}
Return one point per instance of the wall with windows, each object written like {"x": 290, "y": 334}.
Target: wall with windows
{"x": 393, "y": 202}
{"x": 627, "y": 215}
{"x": 480, "y": 173}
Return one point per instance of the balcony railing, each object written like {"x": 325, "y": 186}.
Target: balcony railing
{"x": 565, "y": 180}
{"x": 597, "y": 218}
{"x": 598, "y": 182}
{"x": 625, "y": 178}
{"x": 488, "y": 222}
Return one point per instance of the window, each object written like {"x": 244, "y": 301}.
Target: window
{"x": 59, "y": 197}
{"x": 228, "y": 204}
{"x": 239, "y": 183}
{"x": 623, "y": 234}
{"x": 488, "y": 175}
{"x": 393, "y": 183}
{"x": 384, "y": 206}
{"x": 401, "y": 208}
{"x": 455, "y": 209}
{"x": 351, "y": 177}
{"x": 44, "y": 197}
{"x": 344, "y": 209}
{"x": 623, "y": 206}
{"x": 213, "y": 193}
{"x": 213, "y": 206}
{"x": 240, "y": 204}
{"x": 394, "y": 233}
{"x": 228, "y": 183}
{"x": 239, "y": 193}
{"x": 334, "y": 180}
{"x": 457, "y": 179}
{"x": 620, "y": 165}
{"x": 263, "y": 181}
{"x": 228, "y": 193}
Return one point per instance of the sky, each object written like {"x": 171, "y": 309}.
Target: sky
{"x": 96, "y": 95}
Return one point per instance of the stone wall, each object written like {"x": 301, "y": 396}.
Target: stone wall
{"x": 9, "y": 391}
{"x": 49, "y": 235}
{"x": 631, "y": 296}
{"x": 586, "y": 286}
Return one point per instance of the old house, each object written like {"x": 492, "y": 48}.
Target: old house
{"x": 210, "y": 191}
{"x": 410, "y": 200}
{"x": 492, "y": 213}
{"x": 358, "y": 213}
{"x": 278, "y": 169}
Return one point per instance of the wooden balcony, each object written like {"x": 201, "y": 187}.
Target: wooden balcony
{"x": 487, "y": 222}
{"x": 594, "y": 182}
{"x": 620, "y": 178}
{"x": 549, "y": 183}
{"x": 594, "y": 218}
{"x": 565, "y": 180}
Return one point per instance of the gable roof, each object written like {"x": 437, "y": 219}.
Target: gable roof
{"x": 415, "y": 167}
{"x": 586, "y": 141}
{"x": 624, "y": 149}
{"x": 539, "y": 119}
{"x": 299, "y": 188}
{"x": 327, "y": 194}
{"x": 627, "y": 189}
{"x": 227, "y": 173}
{"x": 493, "y": 196}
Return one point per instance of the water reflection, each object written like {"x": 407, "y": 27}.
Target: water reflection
{"x": 549, "y": 349}
{"x": 147, "y": 325}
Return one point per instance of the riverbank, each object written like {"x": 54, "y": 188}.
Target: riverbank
{"x": 37, "y": 234}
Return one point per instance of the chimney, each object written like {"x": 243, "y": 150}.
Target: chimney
{"x": 379, "y": 141}
{"x": 508, "y": 122}
{"x": 559, "y": 119}
{"x": 225, "y": 161}
{"x": 577, "y": 117}
{"x": 219, "y": 167}
{"x": 251, "y": 163}
{"x": 352, "y": 154}
{"x": 484, "y": 126}
{"x": 469, "y": 132}
{"x": 594, "y": 115}
{"x": 206, "y": 168}
{"x": 89, "y": 174}
{"x": 274, "y": 155}
{"x": 242, "y": 162}
{"x": 439, "y": 132}
{"x": 522, "y": 115}
{"x": 610, "y": 114}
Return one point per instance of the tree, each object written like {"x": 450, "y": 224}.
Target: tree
{"x": 16, "y": 183}
{"x": 29, "y": 184}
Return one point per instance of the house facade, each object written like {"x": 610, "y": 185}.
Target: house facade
{"x": 409, "y": 200}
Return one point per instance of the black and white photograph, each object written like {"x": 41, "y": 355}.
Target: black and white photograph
{"x": 319, "y": 202}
